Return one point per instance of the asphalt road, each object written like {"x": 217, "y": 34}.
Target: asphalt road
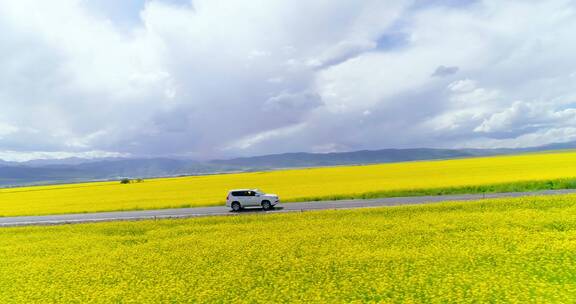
{"x": 221, "y": 210}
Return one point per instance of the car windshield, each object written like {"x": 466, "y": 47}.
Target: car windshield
{"x": 258, "y": 191}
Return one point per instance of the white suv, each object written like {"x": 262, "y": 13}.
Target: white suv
{"x": 240, "y": 198}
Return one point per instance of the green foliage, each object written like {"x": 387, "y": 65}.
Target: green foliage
{"x": 524, "y": 186}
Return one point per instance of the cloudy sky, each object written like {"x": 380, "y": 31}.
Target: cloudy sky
{"x": 222, "y": 78}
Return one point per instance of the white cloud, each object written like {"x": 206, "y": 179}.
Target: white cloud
{"x": 221, "y": 78}
{"x": 462, "y": 86}
{"x": 527, "y": 116}
{"x": 537, "y": 138}
{"x": 254, "y": 139}
{"x": 19, "y": 156}
{"x": 6, "y": 129}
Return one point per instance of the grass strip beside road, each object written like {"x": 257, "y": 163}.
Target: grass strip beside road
{"x": 524, "y": 186}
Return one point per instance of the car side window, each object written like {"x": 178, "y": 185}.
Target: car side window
{"x": 251, "y": 193}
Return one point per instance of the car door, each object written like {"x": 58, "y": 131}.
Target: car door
{"x": 249, "y": 198}
{"x": 245, "y": 198}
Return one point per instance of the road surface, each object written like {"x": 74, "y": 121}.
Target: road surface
{"x": 285, "y": 207}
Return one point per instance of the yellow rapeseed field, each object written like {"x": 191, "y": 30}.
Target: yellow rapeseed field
{"x": 289, "y": 184}
{"x": 491, "y": 251}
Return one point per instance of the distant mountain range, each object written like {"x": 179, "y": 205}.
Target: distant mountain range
{"x": 80, "y": 170}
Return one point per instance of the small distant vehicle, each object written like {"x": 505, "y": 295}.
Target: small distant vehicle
{"x": 239, "y": 198}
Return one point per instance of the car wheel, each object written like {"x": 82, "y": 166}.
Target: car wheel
{"x": 236, "y": 206}
{"x": 266, "y": 205}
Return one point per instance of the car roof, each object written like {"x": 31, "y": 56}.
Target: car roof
{"x": 240, "y": 190}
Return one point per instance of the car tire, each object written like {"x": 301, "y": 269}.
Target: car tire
{"x": 266, "y": 205}
{"x": 236, "y": 206}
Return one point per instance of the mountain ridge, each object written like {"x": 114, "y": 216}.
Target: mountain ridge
{"x": 82, "y": 170}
